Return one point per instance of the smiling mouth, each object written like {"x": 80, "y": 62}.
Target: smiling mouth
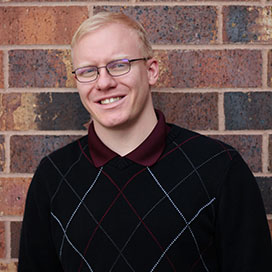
{"x": 110, "y": 100}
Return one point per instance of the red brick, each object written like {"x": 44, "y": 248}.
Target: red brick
{"x": 27, "y": 151}
{"x": 15, "y": 228}
{"x": 210, "y": 68}
{"x": 269, "y": 69}
{"x": 174, "y": 25}
{"x": 12, "y": 195}
{"x": 1, "y": 70}
{"x": 2, "y": 153}
{"x": 250, "y": 110}
{"x": 194, "y": 111}
{"x": 8, "y": 267}
{"x": 40, "y": 68}
{"x": 247, "y": 24}
{"x": 42, "y": 111}
{"x": 250, "y": 147}
{"x": 2, "y": 240}
{"x": 40, "y": 25}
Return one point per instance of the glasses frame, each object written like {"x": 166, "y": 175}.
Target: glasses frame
{"x": 106, "y": 66}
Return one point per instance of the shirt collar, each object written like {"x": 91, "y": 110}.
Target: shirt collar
{"x": 147, "y": 153}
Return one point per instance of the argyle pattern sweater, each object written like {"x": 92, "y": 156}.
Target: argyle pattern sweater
{"x": 198, "y": 208}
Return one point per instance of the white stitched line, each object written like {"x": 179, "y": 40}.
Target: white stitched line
{"x": 71, "y": 242}
{"x": 201, "y": 181}
{"x": 64, "y": 175}
{"x": 175, "y": 239}
{"x": 177, "y": 185}
{"x": 181, "y": 214}
{"x": 81, "y": 201}
{"x": 92, "y": 216}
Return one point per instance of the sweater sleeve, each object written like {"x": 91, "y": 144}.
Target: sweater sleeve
{"x": 37, "y": 251}
{"x": 242, "y": 232}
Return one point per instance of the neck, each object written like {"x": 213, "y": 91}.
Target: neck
{"x": 123, "y": 140}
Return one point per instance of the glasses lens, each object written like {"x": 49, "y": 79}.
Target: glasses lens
{"x": 86, "y": 74}
{"x": 119, "y": 67}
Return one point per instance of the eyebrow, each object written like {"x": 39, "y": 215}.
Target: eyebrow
{"x": 92, "y": 65}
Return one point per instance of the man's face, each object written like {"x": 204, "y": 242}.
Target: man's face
{"x": 115, "y": 102}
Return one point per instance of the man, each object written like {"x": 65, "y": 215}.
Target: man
{"x": 138, "y": 194}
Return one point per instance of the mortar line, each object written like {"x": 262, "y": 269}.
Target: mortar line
{"x": 15, "y": 218}
{"x": 16, "y": 175}
{"x": 220, "y": 25}
{"x": 7, "y": 152}
{"x": 154, "y": 45}
{"x": 5, "y": 69}
{"x": 8, "y": 239}
{"x": 221, "y": 113}
{"x": 264, "y": 68}
{"x": 90, "y": 10}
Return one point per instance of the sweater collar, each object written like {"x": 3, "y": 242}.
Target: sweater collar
{"x": 146, "y": 154}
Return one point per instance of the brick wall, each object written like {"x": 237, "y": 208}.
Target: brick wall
{"x": 216, "y": 77}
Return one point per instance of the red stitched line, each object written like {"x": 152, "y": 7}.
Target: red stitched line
{"x": 109, "y": 208}
{"x": 149, "y": 231}
{"x": 189, "y": 139}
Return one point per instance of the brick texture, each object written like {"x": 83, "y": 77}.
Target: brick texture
{"x": 195, "y": 116}
{"x": 40, "y": 68}
{"x": 249, "y": 146}
{"x": 40, "y": 25}
{"x": 174, "y": 25}
{"x": 42, "y": 111}
{"x": 210, "y": 68}
{"x": 2, "y": 241}
{"x": 1, "y": 71}
{"x": 2, "y": 153}
{"x": 8, "y": 267}
{"x": 265, "y": 185}
{"x": 27, "y": 151}
{"x": 15, "y": 229}
{"x": 12, "y": 195}
{"x": 250, "y": 110}
{"x": 269, "y": 69}
{"x": 247, "y": 24}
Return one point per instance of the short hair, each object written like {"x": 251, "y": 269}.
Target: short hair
{"x": 105, "y": 18}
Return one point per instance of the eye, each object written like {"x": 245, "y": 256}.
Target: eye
{"x": 118, "y": 65}
{"x": 86, "y": 71}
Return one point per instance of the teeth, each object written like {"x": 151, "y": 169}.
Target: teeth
{"x": 110, "y": 100}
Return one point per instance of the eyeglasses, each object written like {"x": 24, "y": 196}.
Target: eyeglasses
{"x": 114, "y": 68}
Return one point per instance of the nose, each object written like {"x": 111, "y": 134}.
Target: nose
{"x": 105, "y": 80}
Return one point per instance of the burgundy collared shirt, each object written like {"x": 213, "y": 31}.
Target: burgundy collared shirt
{"x": 147, "y": 153}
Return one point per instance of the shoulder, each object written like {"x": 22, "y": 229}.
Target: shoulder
{"x": 198, "y": 145}
{"x": 62, "y": 158}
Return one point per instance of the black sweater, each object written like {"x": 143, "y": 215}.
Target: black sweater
{"x": 198, "y": 208}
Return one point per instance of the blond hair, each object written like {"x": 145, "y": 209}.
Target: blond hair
{"x": 105, "y": 18}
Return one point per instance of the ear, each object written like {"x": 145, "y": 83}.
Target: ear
{"x": 153, "y": 71}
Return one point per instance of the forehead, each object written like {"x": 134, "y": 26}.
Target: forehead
{"x": 107, "y": 43}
